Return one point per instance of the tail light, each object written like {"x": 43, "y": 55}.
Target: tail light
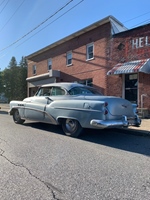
{"x": 105, "y": 104}
{"x": 105, "y": 112}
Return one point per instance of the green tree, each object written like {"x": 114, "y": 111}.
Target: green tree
{"x": 12, "y": 63}
{"x": 22, "y": 78}
{"x": 14, "y": 79}
{"x": 1, "y": 82}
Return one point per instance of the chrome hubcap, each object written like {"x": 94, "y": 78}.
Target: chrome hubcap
{"x": 17, "y": 116}
{"x": 71, "y": 125}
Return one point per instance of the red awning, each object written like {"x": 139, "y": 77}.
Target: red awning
{"x": 131, "y": 67}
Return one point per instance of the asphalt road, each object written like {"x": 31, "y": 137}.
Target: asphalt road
{"x": 38, "y": 162}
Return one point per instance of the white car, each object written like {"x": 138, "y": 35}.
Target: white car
{"x": 75, "y": 106}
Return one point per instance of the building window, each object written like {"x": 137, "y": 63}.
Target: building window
{"x": 69, "y": 58}
{"x": 49, "y": 64}
{"x": 88, "y": 82}
{"x": 34, "y": 69}
{"x": 131, "y": 87}
{"x": 90, "y": 51}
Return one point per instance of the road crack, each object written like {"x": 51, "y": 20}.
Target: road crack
{"x": 48, "y": 185}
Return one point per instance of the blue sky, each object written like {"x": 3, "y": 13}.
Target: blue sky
{"x": 27, "y": 26}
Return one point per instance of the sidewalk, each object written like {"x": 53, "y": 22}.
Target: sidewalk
{"x": 4, "y": 106}
{"x": 145, "y": 125}
{"x": 144, "y": 129}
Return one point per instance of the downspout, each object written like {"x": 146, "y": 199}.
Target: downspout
{"x": 142, "y": 104}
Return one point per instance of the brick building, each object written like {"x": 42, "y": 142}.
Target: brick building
{"x": 81, "y": 57}
{"x": 90, "y": 56}
{"x": 130, "y": 66}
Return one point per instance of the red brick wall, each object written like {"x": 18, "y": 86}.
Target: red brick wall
{"x": 80, "y": 69}
{"x": 127, "y": 53}
{"x": 107, "y": 53}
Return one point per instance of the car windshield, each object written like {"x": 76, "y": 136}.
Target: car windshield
{"x": 83, "y": 91}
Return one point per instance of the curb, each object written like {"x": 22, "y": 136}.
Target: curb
{"x": 135, "y": 132}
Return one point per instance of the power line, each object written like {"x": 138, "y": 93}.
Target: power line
{"x": 12, "y": 15}
{"x": 52, "y": 21}
{"x": 4, "y": 6}
{"x": 143, "y": 23}
{"x": 3, "y": 55}
{"x": 37, "y": 26}
{"x": 137, "y": 17}
{"x": 2, "y": 2}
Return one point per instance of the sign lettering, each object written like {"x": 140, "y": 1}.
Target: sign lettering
{"x": 140, "y": 42}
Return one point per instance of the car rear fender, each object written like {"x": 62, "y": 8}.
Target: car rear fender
{"x": 78, "y": 104}
{"x": 80, "y": 110}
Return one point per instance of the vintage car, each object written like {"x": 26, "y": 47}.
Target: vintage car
{"x": 75, "y": 107}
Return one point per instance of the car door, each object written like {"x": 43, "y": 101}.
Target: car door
{"x": 35, "y": 106}
{"x": 57, "y": 95}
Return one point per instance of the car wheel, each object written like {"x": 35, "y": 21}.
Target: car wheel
{"x": 71, "y": 127}
{"x": 16, "y": 117}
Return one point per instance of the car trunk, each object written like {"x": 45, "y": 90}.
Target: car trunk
{"x": 116, "y": 106}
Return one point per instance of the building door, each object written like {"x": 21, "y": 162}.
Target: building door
{"x": 131, "y": 87}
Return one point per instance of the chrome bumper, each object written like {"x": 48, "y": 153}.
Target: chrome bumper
{"x": 124, "y": 122}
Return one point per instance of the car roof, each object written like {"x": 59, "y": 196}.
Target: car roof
{"x": 66, "y": 85}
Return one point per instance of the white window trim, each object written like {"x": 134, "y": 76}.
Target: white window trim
{"x": 34, "y": 69}
{"x": 87, "y": 55}
{"x": 50, "y": 59}
{"x": 68, "y": 53}
{"x": 86, "y": 81}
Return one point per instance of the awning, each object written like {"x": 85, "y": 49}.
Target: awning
{"x": 131, "y": 67}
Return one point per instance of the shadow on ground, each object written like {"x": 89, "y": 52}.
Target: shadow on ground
{"x": 3, "y": 112}
{"x": 114, "y": 138}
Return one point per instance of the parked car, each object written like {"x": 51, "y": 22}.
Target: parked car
{"x": 75, "y": 107}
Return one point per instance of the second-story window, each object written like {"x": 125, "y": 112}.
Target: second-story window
{"x": 90, "y": 51}
{"x": 34, "y": 69}
{"x": 49, "y": 64}
{"x": 69, "y": 58}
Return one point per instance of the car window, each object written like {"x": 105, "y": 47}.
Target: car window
{"x": 44, "y": 91}
{"x": 57, "y": 91}
{"x": 83, "y": 91}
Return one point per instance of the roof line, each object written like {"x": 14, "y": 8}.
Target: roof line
{"x": 73, "y": 35}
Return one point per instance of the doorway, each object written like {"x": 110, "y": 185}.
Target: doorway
{"x": 131, "y": 87}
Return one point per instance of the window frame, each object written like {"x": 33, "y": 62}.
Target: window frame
{"x": 34, "y": 69}
{"x": 57, "y": 91}
{"x": 50, "y": 91}
{"x": 88, "y": 53}
{"x": 68, "y": 58}
{"x": 87, "y": 82}
{"x": 48, "y": 66}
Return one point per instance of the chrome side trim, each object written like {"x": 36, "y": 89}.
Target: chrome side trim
{"x": 78, "y": 109}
